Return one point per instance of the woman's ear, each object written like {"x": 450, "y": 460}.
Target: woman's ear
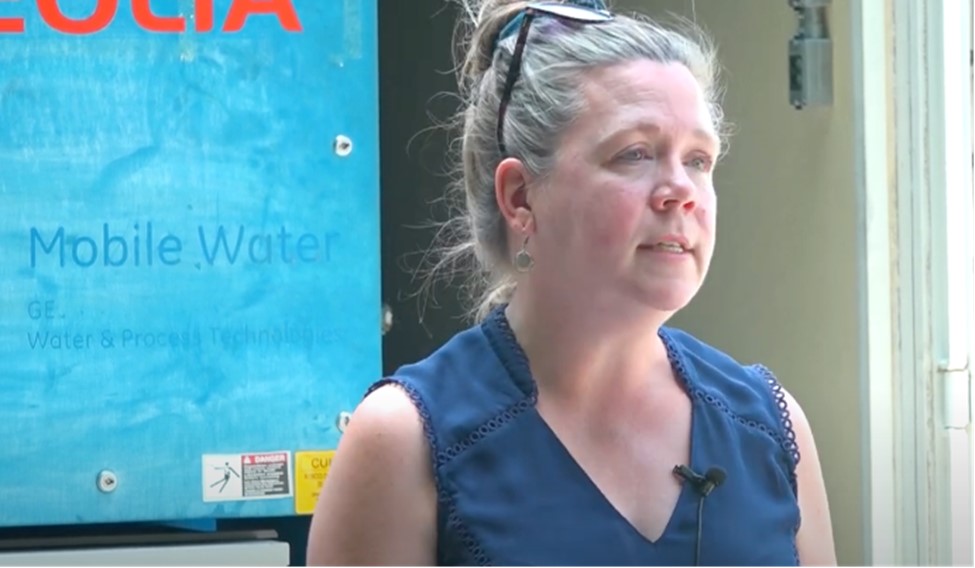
{"x": 511, "y": 192}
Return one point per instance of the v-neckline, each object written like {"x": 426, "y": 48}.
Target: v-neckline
{"x": 580, "y": 472}
{"x": 521, "y": 372}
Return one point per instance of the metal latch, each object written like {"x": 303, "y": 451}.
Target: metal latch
{"x": 811, "y": 55}
{"x": 958, "y": 394}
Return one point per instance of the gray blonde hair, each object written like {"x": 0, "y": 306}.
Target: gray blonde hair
{"x": 545, "y": 100}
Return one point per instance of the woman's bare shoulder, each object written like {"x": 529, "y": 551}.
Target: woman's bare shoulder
{"x": 378, "y": 504}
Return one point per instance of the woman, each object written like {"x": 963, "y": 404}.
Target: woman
{"x": 570, "y": 425}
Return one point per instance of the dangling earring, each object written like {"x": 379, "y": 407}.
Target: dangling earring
{"x": 523, "y": 258}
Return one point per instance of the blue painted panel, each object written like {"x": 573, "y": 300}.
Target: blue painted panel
{"x": 187, "y": 267}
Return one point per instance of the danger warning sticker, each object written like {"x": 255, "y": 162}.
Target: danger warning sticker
{"x": 237, "y": 477}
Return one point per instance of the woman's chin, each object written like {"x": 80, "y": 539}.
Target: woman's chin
{"x": 668, "y": 298}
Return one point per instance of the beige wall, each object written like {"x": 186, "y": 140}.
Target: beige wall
{"x": 783, "y": 285}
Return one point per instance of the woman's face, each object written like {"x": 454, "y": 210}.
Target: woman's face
{"x": 629, "y": 211}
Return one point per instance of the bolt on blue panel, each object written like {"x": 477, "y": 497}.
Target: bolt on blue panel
{"x": 189, "y": 256}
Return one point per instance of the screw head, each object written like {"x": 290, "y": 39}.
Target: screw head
{"x": 343, "y": 421}
{"x": 107, "y": 481}
{"x": 342, "y": 146}
{"x": 387, "y": 318}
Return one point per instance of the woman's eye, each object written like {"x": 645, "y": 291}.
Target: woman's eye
{"x": 700, "y": 163}
{"x": 635, "y": 155}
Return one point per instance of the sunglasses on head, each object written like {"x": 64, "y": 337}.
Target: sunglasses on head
{"x": 522, "y": 22}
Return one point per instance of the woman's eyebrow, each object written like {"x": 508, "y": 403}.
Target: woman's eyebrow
{"x": 702, "y": 135}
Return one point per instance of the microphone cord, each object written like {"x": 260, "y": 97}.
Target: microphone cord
{"x": 700, "y": 522}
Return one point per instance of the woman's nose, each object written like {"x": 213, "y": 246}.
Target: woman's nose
{"x": 673, "y": 190}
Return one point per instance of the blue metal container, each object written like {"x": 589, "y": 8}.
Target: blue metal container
{"x": 189, "y": 259}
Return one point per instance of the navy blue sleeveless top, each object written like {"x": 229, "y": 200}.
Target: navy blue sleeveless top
{"x": 509, "y": 492}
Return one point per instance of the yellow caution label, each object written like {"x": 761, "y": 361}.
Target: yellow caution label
{"x": 311, "y": 469}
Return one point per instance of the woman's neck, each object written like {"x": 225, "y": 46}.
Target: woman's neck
{"x": 584, "y": 352}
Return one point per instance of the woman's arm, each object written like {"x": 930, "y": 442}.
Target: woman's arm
{"x": 378, "y": 505}
{"x": 815, "y": 538}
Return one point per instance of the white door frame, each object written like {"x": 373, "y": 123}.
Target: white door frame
{"x": 871, "y": 94}
{"x": 915, "y": 243}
